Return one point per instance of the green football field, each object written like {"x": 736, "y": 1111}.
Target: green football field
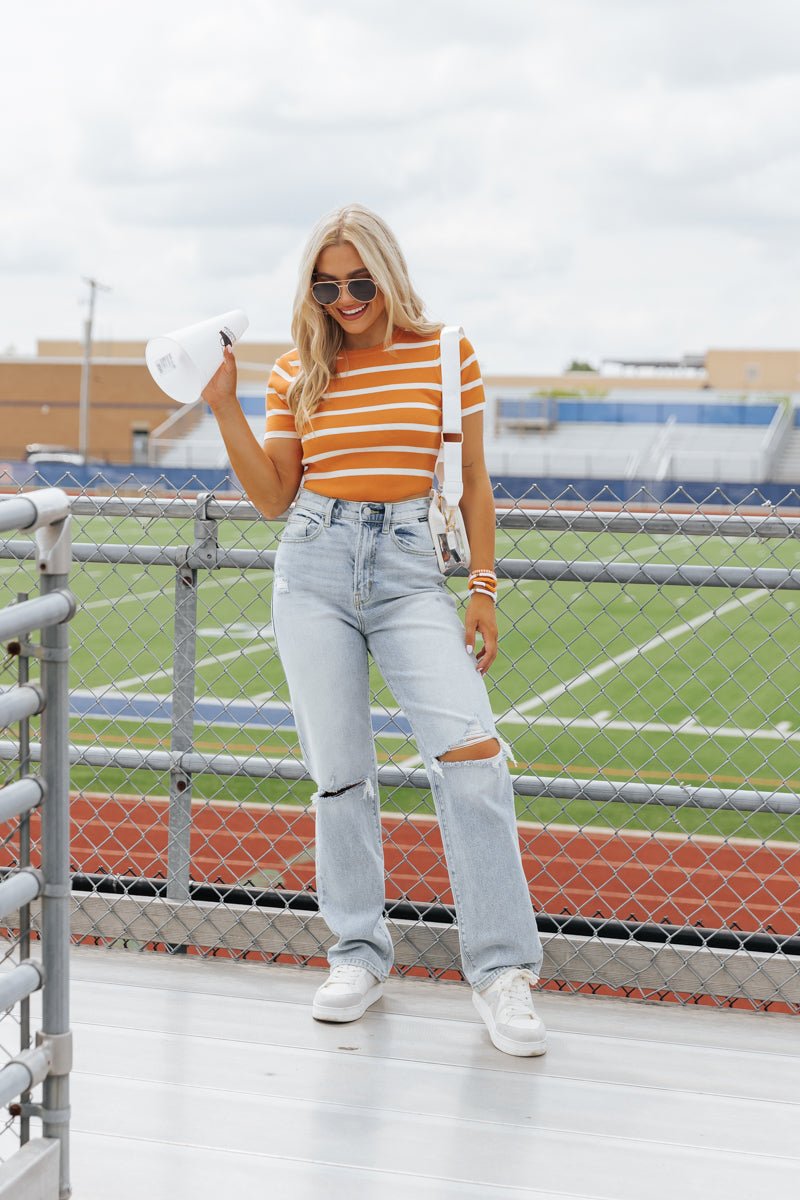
{"x": 618, "y": 683}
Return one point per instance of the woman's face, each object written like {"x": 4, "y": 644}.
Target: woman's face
{"x": 363, "y": 324}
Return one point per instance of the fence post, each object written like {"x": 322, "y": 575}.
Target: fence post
{"x": 203, "y": 553}
{"x": 180, "y": 780}
{"x": 23, "y": 677}
{"x": 54, "y": 561}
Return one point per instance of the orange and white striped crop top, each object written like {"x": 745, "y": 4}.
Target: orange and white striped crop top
{"x": 377, "y": 430}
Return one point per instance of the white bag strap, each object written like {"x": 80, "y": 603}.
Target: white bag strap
{"x": 450, "y": 453}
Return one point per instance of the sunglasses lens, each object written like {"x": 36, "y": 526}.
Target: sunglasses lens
{"x": 325, "y": 293}
{"x": 362, "y": 290}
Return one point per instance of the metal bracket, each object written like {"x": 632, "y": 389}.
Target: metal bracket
{"x": 54, "y": 547}
{"x": 205, "y": 551}
{"x": 54, "y": 1116}
{"x": 25, "y": 1110}
{"x": 56, "y": 891}
{"x": 24, "y": 649}
{"x": 51, "y": 653}
{"x": 59, "y": 1048}
{"x": 182, "y": 778}
{"x": 21, "y": 648}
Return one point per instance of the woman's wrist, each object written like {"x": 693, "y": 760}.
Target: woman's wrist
{"x": 482, "y": 581}
{"x": 223, "y": 406}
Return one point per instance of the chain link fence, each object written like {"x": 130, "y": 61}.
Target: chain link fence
{"x": 647, "y": 682}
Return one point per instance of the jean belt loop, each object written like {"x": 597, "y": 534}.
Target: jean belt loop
{"x": 387, "y": 517}
{"x": 329, "y": 507}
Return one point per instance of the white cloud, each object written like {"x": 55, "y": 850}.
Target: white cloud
{"x": 568, "y": 178}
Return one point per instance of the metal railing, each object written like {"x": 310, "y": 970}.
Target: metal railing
{"x": 178, "y": 425}
{"x": 647, "y": 682}
{"x": 40, "y": 1167}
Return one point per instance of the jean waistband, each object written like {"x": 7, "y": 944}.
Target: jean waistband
{"x": 368, "y": 512}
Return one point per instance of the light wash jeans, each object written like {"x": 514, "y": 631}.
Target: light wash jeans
{"x": 355, "y": 579}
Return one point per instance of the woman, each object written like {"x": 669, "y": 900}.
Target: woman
{"x": 354, "y": 423}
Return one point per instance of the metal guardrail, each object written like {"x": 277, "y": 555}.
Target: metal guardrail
{"x": 40, "y": 1168}
{"x": 207, "y": 842}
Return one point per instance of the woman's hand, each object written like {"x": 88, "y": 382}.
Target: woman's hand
{"x": 481, "y": 617}
{"x": 221, "y": 387}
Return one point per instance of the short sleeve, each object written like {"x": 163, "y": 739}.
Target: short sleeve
{"x": 472, "y": 395}
{"x": 280, "y": 420}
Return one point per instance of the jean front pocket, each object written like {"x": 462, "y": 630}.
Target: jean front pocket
{"x": 302, "y": 526}
{"x": 414, "y": 537}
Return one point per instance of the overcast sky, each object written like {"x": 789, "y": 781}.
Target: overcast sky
{"x": 568, "y": 178}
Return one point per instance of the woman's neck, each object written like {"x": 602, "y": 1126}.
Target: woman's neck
{"x": 374, "y": 336}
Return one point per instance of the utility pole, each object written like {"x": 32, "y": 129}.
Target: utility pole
{"x": 83, "y": 411}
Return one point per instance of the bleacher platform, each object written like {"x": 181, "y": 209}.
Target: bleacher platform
{"x": 205, "y": 1077}
{"x": 689, "y": 435}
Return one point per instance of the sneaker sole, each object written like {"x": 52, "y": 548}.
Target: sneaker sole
{"x": 323, "y": 1012}
{"x": 506, "y": 1044}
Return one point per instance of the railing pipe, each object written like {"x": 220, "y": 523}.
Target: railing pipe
{"x": 20, "y": 797}
{"x": 19, "y": 888}
{"x": 23, "y": 981}
{"x": 20, "y": 702}
{"x": 666, "y": 575}
{"x": 600, "y": 791}
{"x": 22, "y": 1073}
{"x": 39, "y": 613}
{"x": 539, "y": 515}
{"x": 33, "y": 510}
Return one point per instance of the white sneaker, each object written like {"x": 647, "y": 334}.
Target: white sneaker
{"x": 507, "y": 1010}
{"x": 346, "y": 994}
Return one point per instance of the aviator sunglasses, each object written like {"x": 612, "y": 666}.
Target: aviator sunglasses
{"x": 328, "y": 291}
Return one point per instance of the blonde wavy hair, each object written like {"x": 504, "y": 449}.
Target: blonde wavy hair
{"x": 317, "y": 336}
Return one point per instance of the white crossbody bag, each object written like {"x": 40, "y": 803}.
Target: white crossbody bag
{"x": 444, "y": 517}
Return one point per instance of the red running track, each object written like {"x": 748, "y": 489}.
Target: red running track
{"x": 733, "y": 884}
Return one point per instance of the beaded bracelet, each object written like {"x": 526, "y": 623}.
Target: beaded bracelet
{"x": 484, "y": 582}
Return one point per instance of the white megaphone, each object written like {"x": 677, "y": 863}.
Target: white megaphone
{"x": 182, "y": 362}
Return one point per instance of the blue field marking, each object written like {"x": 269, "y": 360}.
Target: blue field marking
{"x": 236, "y": 714}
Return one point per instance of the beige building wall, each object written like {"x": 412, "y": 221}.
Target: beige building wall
{"x": 40, "y": 398}
{"x": 588, "y": 383}
{"x": 754, "y": 370}
{"x": 39, "y": 402}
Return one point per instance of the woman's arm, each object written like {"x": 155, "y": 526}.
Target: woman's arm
{"x": 270, "y": 474}
{"x": 477, "y": 506}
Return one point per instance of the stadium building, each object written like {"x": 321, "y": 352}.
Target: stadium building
{"x": 725, "y": 417}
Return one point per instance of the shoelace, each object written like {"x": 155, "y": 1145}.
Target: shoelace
{"x": 344, "y": 973}
{"x": 515, "y": 994}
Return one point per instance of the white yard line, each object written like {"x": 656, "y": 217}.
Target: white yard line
{"x": 661, "y": 639}
{"x": 691, "y": 728}
{"x": 8, "y": 568}
{"x": 166, "y": 672}
{"x": 112, "y": 602}
{"x": 127, "y": 597}
{"x": 415, "y": 760}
